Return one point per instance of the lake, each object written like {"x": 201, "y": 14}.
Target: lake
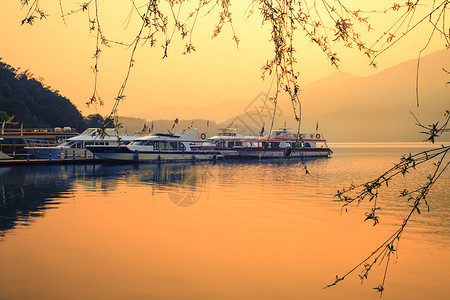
{"x": 225, "y": 230}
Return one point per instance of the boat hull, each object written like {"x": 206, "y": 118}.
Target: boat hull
{"x": 114, "y": 153}
{"x": 54, "y": 152}
{"x": 279, "y": 153}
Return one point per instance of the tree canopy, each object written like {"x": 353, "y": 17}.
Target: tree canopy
{"x": 37, "y": 105}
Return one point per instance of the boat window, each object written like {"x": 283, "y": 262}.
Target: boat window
{"x": 163, "y": 145}
{"x": 230, "y": 144}
{"x": 156, "y": 146}
{"x": 239, "y": 144}
{"x": 275, "y": 144}
{"x": 288, "y": 145}
{"x": 307, "y": 145}
{"x": 173, "y": 145}
{"x": 181, "y": 146}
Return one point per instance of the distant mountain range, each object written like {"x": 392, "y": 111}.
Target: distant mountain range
{"x": 348, "y": 108}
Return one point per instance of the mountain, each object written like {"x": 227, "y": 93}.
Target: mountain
{"x": 377, "y": 107}
{"x": 374, "y": 108}
{"x": 32, "y": 104}
{"x": 29, "y": 103}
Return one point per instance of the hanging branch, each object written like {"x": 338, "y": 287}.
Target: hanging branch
{"x": 370, "y": 191}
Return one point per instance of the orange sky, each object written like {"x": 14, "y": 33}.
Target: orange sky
{"x": 62, "y": 55}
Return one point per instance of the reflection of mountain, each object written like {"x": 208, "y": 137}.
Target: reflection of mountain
{"x": 27, "y": 192}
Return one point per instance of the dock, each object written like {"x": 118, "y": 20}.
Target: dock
{"x": 58, "y": 161}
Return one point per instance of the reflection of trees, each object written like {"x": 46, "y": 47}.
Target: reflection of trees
{"x": 27, "y": 192}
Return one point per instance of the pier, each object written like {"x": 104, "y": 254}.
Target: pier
{"x": 57, "y": 161}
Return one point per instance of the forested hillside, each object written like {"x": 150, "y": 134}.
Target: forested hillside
{"x": 36, "y": 105}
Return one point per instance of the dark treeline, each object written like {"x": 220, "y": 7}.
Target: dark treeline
{"x": 37, "y": 106}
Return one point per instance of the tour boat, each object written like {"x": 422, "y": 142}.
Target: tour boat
{"x": 279, "y": 143}
{"x": 228, "y": 140}
{"x": 284, "y": 143}
{"x": 181, "y": 146}
{"x": 76, "y": 146}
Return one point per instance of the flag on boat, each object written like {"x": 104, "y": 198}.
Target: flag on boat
{"x": 207, "y": 123}
{"x": 145, "y": 127}
{"x": 151, "y": 129}
{"x": 262, "y": 130}
{"x": 317, "y": 126}
{"x": 175, "y": 123}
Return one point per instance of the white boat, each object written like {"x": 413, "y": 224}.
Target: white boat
{"x": 181, "y": 146}
{"x": 76, "y": 146}
{"x": 284, "y": 143}
{"x": 228, "y": 140}
{"x": 279, "y": 143}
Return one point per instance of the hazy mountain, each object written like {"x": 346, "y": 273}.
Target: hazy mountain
{"x": 332, "y": 80}
{"x": 377, "y": 108}
{"x": 372, "y": 108}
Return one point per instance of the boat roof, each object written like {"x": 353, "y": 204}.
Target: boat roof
{"x": 93, "y": 134}
{"x": 187, "y": 134}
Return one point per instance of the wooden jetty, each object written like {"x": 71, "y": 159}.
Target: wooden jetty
{"x": 57, "y": 161}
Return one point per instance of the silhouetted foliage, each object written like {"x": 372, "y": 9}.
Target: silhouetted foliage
{"x": 36, "y": 105}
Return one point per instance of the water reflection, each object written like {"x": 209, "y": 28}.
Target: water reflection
{"x": 27, "y": 192}
{"x": 231, "y": 230}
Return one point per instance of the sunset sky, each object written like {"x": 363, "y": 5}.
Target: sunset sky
{"x": 61, "y": 54}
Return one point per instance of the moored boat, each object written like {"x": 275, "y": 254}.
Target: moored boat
{"x": 228, "y": 140}
{"x": 76, "y": 146}
{"x": 279, "y": 143}
{"x": 181, "y": 146}
{"x": 284, "y": 143}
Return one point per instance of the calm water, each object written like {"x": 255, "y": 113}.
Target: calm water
{"x": 243, "y": 230}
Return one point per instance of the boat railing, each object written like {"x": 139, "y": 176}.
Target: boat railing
{"x": 36, "y": 143}
{"x": 304, "y": 136}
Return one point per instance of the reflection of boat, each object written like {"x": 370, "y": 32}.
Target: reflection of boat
{"x": 159, "y": 147}
{"x": 279, "y": 143}
{"x": 76, "y": 146}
